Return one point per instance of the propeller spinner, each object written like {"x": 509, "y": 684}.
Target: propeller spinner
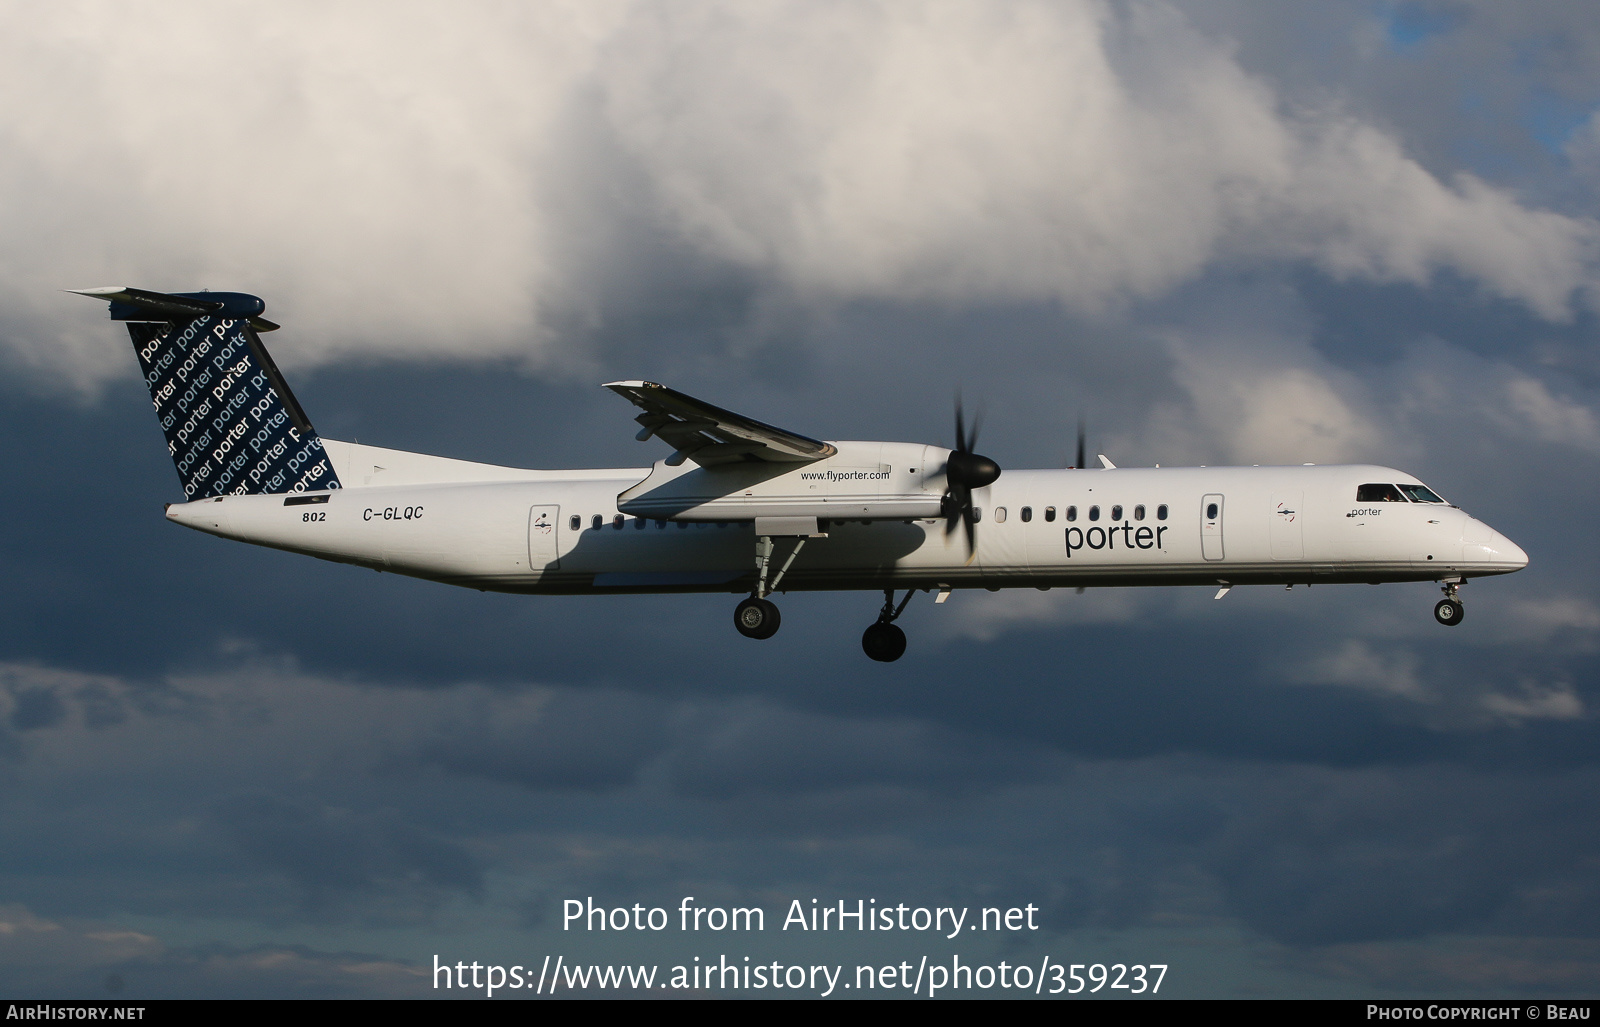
{"x": 964, "y": 471}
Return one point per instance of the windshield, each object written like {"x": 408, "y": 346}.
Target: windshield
{"x": 1420, "y": 494}
{"x": 1379, "y": 493}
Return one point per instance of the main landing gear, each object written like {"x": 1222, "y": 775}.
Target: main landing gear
{"x": 1449, "y": 611}
{"x": 757, "y": 617}
{"x": 883, "y": 640}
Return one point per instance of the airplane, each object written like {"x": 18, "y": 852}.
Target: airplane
{"x": 741, "y": 506}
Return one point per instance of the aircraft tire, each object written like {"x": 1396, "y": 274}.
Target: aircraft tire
{"x": 1448, "y": 612}
{"x": 885, "y": 643}
{"x": 756, "y": 618}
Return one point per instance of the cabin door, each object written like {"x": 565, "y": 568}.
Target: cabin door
{"x": 1211, "y": 527}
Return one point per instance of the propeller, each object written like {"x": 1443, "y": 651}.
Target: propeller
{"x": 1083, "y": 448}
{"x": 964, "y": 471}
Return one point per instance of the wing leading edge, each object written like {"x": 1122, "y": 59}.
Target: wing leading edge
{"x": 710, "y": 435}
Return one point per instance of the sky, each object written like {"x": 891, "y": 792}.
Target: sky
{"x": 1223, "y": 231}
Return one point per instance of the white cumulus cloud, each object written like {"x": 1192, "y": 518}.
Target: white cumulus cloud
{"x": 412, "y": 182}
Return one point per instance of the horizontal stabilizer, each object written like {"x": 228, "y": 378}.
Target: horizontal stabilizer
{"x": 178, "y": 307}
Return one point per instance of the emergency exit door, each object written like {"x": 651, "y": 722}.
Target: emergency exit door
{"x": 543, "y": 524}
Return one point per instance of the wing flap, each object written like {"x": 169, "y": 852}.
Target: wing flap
{"x": 710, "y": 435}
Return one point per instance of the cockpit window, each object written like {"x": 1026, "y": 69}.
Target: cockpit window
{"x": 1420, "y": 494}
{"x": 1379, "y": 494}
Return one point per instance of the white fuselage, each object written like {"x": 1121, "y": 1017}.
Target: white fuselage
{"x": 683, "y": 529}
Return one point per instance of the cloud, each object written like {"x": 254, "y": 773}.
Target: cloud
{"x": 1552, "y": 418}
{"x": 269, "y": 804}
{"x": 1541, "y": 619}
{"x": 984, "y": 617}
{"x": 1327, "y": 858}
{"x": 1533, "y": 701}
{"x": 1262, "y": 409}
{"x": 594, "y": 740}
{"x": 1463, "y": 965}
{"x": 335, "y": 855}
{"x": 29, "y": 940}
{"x": 1076, "y": 152}
{"x": 1355, "y": 664}
{"x": 757, "y": 748}
{"x": 102, "y": 959}
{"x": 1444, "y": 699}
{"x": 422, "y": 186}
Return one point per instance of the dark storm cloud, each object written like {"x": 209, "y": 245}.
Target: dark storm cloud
{"x": 331, "y": 853}
{"x": 36, "y": 708}
{"x": 74, "y": 958}
{"x": 1358, "y": 859}
{"x": 596, "y": 740}
{"x": 757, "y": 748}
{"x": 329, "y": 802}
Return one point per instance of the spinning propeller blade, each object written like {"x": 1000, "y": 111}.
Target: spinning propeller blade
{"x": 964, "y": 471}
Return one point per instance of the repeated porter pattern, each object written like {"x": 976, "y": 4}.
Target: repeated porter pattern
{"x": 222, "y": 407}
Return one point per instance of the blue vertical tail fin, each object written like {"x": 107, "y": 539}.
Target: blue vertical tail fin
{"x": 232, "y": 425}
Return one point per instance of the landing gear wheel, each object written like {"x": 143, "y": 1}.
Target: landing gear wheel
{"x": 884, "y": 642}
{"x": 1449, "y": 612}
{"x": 756, "y": 618}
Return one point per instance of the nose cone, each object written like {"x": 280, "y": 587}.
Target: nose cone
{"x": 1481, "y": 544}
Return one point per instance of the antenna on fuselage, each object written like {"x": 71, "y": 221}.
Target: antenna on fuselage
{"x": 1083, "y": 446}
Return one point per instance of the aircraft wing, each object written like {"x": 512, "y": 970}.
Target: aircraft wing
{"x": 710, "y": 435}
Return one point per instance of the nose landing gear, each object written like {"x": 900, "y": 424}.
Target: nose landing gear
{"x": 883, "y": 640}
{"x": 1449, "y": 611}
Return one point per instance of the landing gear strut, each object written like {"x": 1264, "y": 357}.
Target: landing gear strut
{"x": 757, "y": 617}
{"x": 883, "y": 640}
{"x": 1449, "y": 611}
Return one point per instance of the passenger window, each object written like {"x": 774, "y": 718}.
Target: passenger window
{"x": 596, "y": 521}
{"x": 977, "y": 514}
{"x": 616, "y": 522}
{"x": 1211, "y": 511}
{"x": 660, "y": 524}
{"x": 683, "y": 525}
{"x": 999, "y": 515}
{"x": 1094, "y": 513}
{"x": 1138, "y": 512}
{"x": 1379, "y": 494}
{"x": 1027, "y": 514}
{"x": 1116, "y": 512}
{"x": 638, "y": 523}
{"x": 575, "y": 522}
{"x": 1049, "y": 513}
{"x": 1161, "y": 512}
{"x": 1420, "y": 494}
{"x": 1072, "y": 513}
